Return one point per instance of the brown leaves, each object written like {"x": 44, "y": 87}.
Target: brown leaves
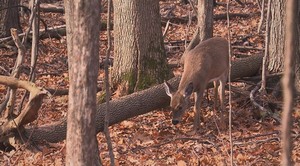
{"x": 151, "y": 139}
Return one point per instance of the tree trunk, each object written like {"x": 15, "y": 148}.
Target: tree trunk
{"x": 140, "y": 59}
{"x": 277, "y": 40}
{"x": 9, "y": 17}
{"x": 82, "y": 18}
{"x": 205, "y": 19}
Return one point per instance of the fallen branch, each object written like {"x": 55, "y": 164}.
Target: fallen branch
{"x": 258, "y": 135}
{"x": 55, "y": 32}
{"x": 52, "y": 32}
{"x": 221, "y": 16}
{"x": 258, "y": 141}
{"x": 62, "y": 92}
{"x": 45, "y": 7}
{"x": 248, "y": 48}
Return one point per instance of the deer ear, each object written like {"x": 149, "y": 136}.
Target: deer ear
{"x": 189, "y": 90}
{"x": 168, "y": 88}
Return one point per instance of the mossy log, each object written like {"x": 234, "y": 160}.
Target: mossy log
{"x": 136, "y": 104}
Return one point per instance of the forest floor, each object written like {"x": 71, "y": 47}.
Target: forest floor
{"x": 151, "y": 139}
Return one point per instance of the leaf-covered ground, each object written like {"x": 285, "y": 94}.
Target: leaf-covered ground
{"x": 151, "y": 139}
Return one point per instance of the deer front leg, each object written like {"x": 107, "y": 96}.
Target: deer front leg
{"x": 197, "y": 109}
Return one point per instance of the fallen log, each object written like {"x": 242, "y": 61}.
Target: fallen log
{"x": 135, "y": 104}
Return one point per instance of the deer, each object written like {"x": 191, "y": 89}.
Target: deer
{"x": 207, "y": 62}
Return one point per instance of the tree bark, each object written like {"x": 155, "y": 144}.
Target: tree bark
{"x": 82, "y": 18}
{"x": 137, "y": 103}
{"x": 277, "y": 36}
{"x": 9, "y": 18}
{"x": 140, "y": 59}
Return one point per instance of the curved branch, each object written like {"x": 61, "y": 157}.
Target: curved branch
{"x": 30, "y": 112}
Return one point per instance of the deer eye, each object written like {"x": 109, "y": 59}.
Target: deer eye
{"x": 179, "y": 107}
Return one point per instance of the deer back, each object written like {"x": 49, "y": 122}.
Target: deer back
{"x": 206, "y": 62}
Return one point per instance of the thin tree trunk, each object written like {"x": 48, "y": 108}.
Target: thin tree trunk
{"x": 83, "y": 52}
{"x": 288, "y": 80}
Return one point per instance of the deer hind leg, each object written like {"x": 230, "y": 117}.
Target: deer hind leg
{"x": 221, "y": 91}
{"x": 215, "y": 95}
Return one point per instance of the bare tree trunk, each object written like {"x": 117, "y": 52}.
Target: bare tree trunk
{"x": 83, "y": 52}
{"x": 9, "y": 17}
{"x": 139, "y": 53}
{"x": 288, "y": 80}
{"x": 205, "y": 19}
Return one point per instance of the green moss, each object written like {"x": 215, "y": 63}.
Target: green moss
{"x": 101, "y": 97}
{"x": 131, "y": 79}
{"x": 145, "y": 81}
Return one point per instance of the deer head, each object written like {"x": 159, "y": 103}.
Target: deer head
{"x": 179, "y": 101}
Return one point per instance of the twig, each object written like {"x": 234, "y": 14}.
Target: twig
{"x": 193, "y": 7}
{"x": 34, "y": 46}
{"x": 262, "y": 12}
{"x": 15, "y": 73}
{"x": 4, "y": 70}
{"x": 187, "y": 30}
{"x": 258, "y": 4}
{"x": 4, "y": 103}
{"x": 264, "y": 111}
{"x": 35, "y": 39}
{"x": 31, "y": 18}
{"x": 166, "y": 28}
{"x": 229, "y": 82}
{"x": 258, "y": 135}
{"x": 252, "y": 93}
{"x": 239, "y": 2}
{"x": 107, "y": 89}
